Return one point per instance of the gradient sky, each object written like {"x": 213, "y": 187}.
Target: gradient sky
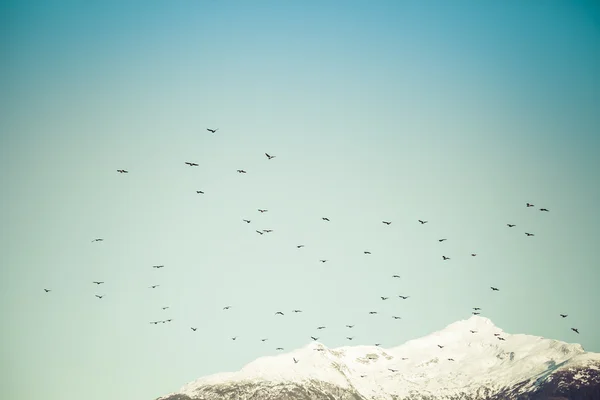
{"x": 455, "y": 112}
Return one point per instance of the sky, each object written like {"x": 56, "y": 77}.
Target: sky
{"x": 458, "y": 113}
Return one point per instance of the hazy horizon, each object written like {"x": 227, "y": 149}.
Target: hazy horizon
{"x": 458, "y": 114}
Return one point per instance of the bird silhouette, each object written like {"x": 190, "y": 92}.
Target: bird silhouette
{"x": 372, "y": 312}
{"x": 191, "y": 164}
{"x": 212, "y": 130}
{"x": 99, "y": 296}
{"x": 269, "y": 156}
{"x": 300, "y": 246}
{"x": 441, "y": 240}
{"x": 393, "y": 370}
{"x": 404, "y": 297}
{"x": 530, "y": 205}
{"x": 297, "y": 311}
{"x": 367, "y": 252}
{"x": 164, "y": 308}
{"x": 396, "y": 317}
{"x": 395, "y": 276}
{"x": 349, "y": 337}
{"x": 451, "y": 359}
{"x": 98, "y": 283}
{"x": 423, "y": 222}
{"x": 476, "y": 308}
{"x": 295, "y": 361}
{"x": 325, "y": 219}
{"x": 575, "y": 330}
{"x": 154, "y": 286}
{"x": 387, "y": 222}
{"x": 445, "y": 258}
{"x": 473, "y": 331}
{"x": 441, "y": 347}
{"x": 233, "y": 338}
{"x": 349, "y": 326}
{"x": 323, "y": 261}
{"x": 97, "y": 240}
{"x": 260, "y": 233}
{"x": 246, "y": 221}
{"x": 529, "y": 234}
{"x": 564, "y": 315}
{"x": 314, "y": 338}
{"x": 384, "y": 298}
{"x": 494, "y": 289}
{"x": 279, "y": 349}
{"x": 226, "y": 307}
{"x": 263, "y": 340}
{"x": 122, "y": 171}
{"x": 241, "y": 171}
{"x": 194, "y": 329}
{"x": 278, "y": 313}
{"x": 476, "y": 313}
{"x": 544, "y": 209}
{"x": 47, "y": 290}
{"x": 321, "y": 327}
{"x": 199, "y": 192}
{"x": 267, "y": 230}
{"x": 157, "y": 266}
{"x": 473, "y": 254}
{"x": 262, "y": 211}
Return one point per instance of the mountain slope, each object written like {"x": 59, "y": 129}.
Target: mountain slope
{"x": 466, "y": 360}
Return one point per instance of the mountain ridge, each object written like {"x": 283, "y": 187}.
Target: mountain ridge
{"x": 471, "y": 359}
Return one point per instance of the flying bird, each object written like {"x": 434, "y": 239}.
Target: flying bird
{"x": 191, "y": 164}
{"x": 98, "y": 283}
{"x": 441, "y": 347}
{"x": 164, "y": 308}
{"x": 544, "y": 209}
{"x": 367, "y": 252}
{"x": 451, "y": 359}
{"x": 47, "y": 290}
{"x": 349, "y": 338}
{"x": 97, "y": 240}
{"x": 564, "y": 315}
{"x": 396, "y": 317}
{"x": 279, "y": 349}
{"x": 199, "y": 192}
{"x": 473, "y": 254}
{"x": 320, "y": 327}
{"x": 372, "y": 312}
{"x": 297, "y": 311}
{"x": 99, "y": 296}
{"x": 269, "y": 156}
{"x": 263, "y": 340}
{"x": 278, "y": 313}
{"x": 377, "y": 344}
{"x": 246, "y": 221}
{"x": 529, "y": 205}
{"x": 194, "y": 329}
{"x": 226, "y": 307}
{"x": 395, "y": 276}
{"x": 154, "y": 286}
{"x": 441, "y": 240}
{"x": 157, "y": 266}
{"x": 267, "y": 230}
{"x": 476, "y": 308}
{"x": 212, "y": 130}
{"x": 575, "y": 330}
{"x": 494, "y": 289}
{"x": 260, "y": 233}
{"x": 393, "y": 370}
{"x": 300, "y": 246}
{"x": 510, "y": 226}
{"x": 241, "y": 171}
{"x": 325, "y": 219}
{"x": 323, "y": 261}
{"x": 262, "y": 211}
{"x": 384, "y": 298}
{"x": 233, "y": 338}
{"x": 476, "y": 313}
{"x": 387, "y": 222}
{"x": 122, "y": 171}
{"x": 445, "y": 258}
{"x": 314, "y": 338}
{"x": 473, "y": 331}
{"x": 423, "y": 222}
{"x": 295, "y": 361}
{"x": 496, "y": 334}
{"x": 404, "y": 297}
{"x": 349, "y": 326}
{"x": 529, "y": 234}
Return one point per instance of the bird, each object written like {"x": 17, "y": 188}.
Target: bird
{"x": 393, "y": 370}
{"x": 473, "y": 254}
{"x": 564, "y": 315}
{"x": 260, "y": 233}
{"x": 544, "y": 209}
{"x": 395, "y": 276}
{"x": 476, "y": 308}
{"x": 349, "y": 337}
{"x": 496, "y": 334}
{"x": 530, "y": 205}
{"x": 445, "y": 258}
{"x": 279, "y": 349}
{"x": 575, "y": 330}
{"x": 387, "y": 222}
{"x": 367, "y": 252}
{"x": 246, "y": 221}
{"x": 191, "y": 164}
{"x": 300, "y": 246}
{"x": 226, "y": 307}
{"x": 404, "y": 297}
{"x": 441, "y": 347}
{"x": 212, "y": 130}
{"x": 297, "y": 311}
{"x": 323, "y": 261}
{"x": 476, "y": 313}
{"x": 47, "y": 290}
{"x": 451, "y": 359}
{"x": 267, "y": 230}
{"x": 473, "y": 331}
{"x": 377, "y": 344}
{"x": 164, "y": 308}
{"x": 441, "y": 240}
{"x": 278, "y": 313}
{"x": 263, "y": 340}
{"x": 233, "y": 338}
{"x": 157, "y": 266}
{"x": 295, "y": 361}
{"x": 510, "y": 225}
{"x": 99, "y": 296}
{"x": 241, "y": 171}
{"x": 325, "y": 219}
{"x": 349, "y": 326}
{"x": 194, "y": 329}
{"x": 314, "y": 338}
{"x": 423, "y": 222}
{"x": 494, "y": 289}
{"x": 396, "y": 317}
{"x": 269, "y": 156}
{"x": 97, "y": 240}
{"x": 262, "y": 211}
{"x": 384, "y": 298}
{"x": 529, "y": 234}
{"x": 372, "y": 312}
{"x": 199, "y": 192}
{"x": 154, "y": 286}
{"x": 98, "y": 283}
{"x": 122, "y": 171}
{"x": 321, "y": 327}
{"x": 169, "y": 320}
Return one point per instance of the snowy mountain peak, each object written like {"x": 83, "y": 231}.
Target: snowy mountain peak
{"x": 464, "y": 357}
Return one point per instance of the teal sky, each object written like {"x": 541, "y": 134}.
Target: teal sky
{"x": 454, "y": 112}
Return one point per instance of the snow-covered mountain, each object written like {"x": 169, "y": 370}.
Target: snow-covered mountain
{"x": 468, "y": 360}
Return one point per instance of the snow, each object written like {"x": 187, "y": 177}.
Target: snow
{"x": 480, "y": 359}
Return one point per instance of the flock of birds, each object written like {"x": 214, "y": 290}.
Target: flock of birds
{"x": 476, "y": 310}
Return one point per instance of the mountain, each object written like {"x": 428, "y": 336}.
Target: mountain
{"x": 520, "y": 367}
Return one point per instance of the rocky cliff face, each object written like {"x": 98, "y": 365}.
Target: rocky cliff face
{"x": 452, "y": 364}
